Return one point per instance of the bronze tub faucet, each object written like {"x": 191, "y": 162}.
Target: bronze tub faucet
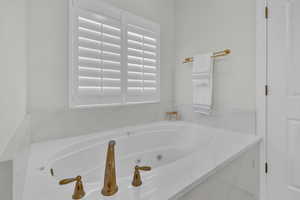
{"x": 110, "y": 186}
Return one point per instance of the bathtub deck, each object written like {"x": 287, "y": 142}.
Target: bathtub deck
{"x": 164, "y": 182}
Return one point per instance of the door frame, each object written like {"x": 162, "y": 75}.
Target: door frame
{"x": 261, "y": 96}
{"x": 261, "y": 83}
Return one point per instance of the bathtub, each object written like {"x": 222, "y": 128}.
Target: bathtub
{"x": 181, "y": 155}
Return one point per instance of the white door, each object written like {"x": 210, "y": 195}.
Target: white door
{"x": 283, "y": 134}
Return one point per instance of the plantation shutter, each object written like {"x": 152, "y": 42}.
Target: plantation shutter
{"x": 142, "y": 60}
{"x": 114, "y": 56}
{"x": 97, "y": 47}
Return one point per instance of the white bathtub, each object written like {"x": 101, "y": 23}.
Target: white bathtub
{"x": 181, "y": 155}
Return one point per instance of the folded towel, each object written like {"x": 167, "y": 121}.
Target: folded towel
{"x": 202, "y": 63}
{"x": 202, "y": 78}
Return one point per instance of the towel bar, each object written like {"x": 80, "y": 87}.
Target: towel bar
{"x": 216, "y": 54}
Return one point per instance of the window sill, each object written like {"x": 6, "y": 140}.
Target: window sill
{"x": 111, "y": 105}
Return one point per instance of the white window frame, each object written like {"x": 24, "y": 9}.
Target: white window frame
{"x": 98, "y": 6}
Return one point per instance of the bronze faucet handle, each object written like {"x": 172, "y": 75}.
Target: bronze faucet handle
{"x": 144, "y": 168}
{"x": 79, "y": 192}
{"x": 67, "y": 181}
{"x": 137, "y": 180}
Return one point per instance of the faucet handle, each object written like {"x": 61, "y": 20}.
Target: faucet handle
{"x": 79, "y": 192}
{"x": 67, "y": 181}
{"x": 144, "y": 168}
{"x": 137, "y": 180}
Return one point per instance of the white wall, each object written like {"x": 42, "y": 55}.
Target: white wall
{"x": 13, "y": 64}
{"x": 211, "y": 25}
{"x": 201, "y": 26}
{"x": 48, "y": 72}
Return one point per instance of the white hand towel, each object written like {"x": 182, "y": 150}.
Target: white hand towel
{"x": 203, "y": 83}
{"x": 202, "y": 63}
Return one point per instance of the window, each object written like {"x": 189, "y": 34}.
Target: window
{"x": 114, "y": 56}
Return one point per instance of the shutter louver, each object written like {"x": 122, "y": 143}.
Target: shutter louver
{"x": 142, "y": 60}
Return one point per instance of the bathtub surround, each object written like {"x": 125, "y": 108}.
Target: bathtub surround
{"x": 20, "y": 167}
{"x": 17, "y": 152}
{"x": 191, "y": 151}
{"x": 48, "y": 72}
{"x": 236, "y": 181}
{"x": 6, "y": 180}
{"x": 210, "y": 25}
